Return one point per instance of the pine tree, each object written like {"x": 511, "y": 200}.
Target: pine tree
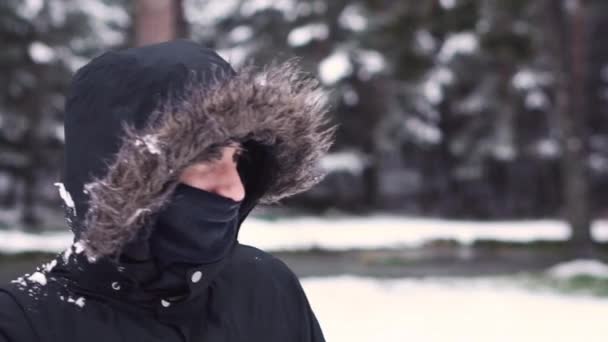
{"x": 44, "y": 42}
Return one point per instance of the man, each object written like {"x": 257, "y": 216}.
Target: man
{"x": 167, "y": 150}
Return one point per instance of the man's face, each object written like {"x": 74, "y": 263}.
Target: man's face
{"x": 218, "y": 176}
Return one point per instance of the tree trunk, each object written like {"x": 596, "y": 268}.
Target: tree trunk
{"x": 571, "y": 47}
{"x": 158, "y": 21}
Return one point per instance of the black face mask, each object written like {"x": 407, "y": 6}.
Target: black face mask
{"x": 196, "y": 227}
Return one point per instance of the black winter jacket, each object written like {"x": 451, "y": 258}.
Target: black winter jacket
{"x": 134, "y": 119}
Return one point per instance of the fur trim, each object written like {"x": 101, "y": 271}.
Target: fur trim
{"x": 278, "y": 105}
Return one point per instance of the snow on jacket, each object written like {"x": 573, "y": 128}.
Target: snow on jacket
{"x": 134, "y": 119}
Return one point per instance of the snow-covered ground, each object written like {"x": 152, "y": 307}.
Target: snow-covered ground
{"x": 580, "y": 267}
{"x": 393, "y": 231}
{"x": 15, "y": 241}
{"x": 353, "y": 309}
{"x": 347, "y": 233}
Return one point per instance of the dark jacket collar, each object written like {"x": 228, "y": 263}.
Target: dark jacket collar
{"x": 140, "y": 285}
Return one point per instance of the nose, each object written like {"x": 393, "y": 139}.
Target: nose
{"x": 221, "y": 178}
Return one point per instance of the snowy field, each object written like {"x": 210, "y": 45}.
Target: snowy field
{"x": 346, "y": 233}
{"x": 355, "y": 309}
{"x": 394, "y": 232}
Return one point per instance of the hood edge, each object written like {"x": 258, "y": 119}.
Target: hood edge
{"x": 279, "y": 105}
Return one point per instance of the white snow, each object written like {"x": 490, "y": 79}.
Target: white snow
{"x": 79, "y": 246}
{"x": 109, "y": 21}
{"x": 352, "y": 18}
{"x": 447, "y": 4}
{"x": 303, "y": 35}
{"x": 547, "y": 148}
{"x": 458, "y": 43}
{"x": 251, "y": 7}
{"x": 393, "y": 232}
{"x": 527, "y": 79}
{"x": 65, "y": 196}
{"x": 261, "y": 79}
{"x": 376, "y": 231}
{"x": 30, "y": 8}
{"x": 236, "y": 55}
{"x": 504, "y": 151}
{"x": 66, "y": 254}
{"x": 536, "y": 99}
{"x": 58, "y": 11}
{"x": 48, "y": 267}
{"x": 208, "y": 12}
{"x": 349, "y": 161}
{"x": 38, "y": 277}
{"x": 372, "y": 61}
{"x": 240, "y": 34}
{"x": 335, "y": 67}
{"x": 357, "y": 309}
{"x": 579, "y": 267}
{"x": 598, "y": 162}
{"x": 41, "y": 53}
{"x": 305, "y": 9}
{"x": 151, "y": 142}
{"x": 432, "y": 87}
{"x": 80, "y": 301}
{"x": 473, "y": 104}
{"x": 524, "y": 79}
{"x": 15, "y": 241}
{"x": 425, "y": 41}
{"x": 350, "y": 97}
{"x": 59, "y": 132}
{"x": 19, "y": 281}
{"x": 433, "y": 92}
{"x": 73, "y": 61}
{"x": 422, "y": 131}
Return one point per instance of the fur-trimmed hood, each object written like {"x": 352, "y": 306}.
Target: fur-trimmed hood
{"x": 124, "y": 156}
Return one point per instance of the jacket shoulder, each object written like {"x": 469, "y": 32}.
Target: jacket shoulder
{"x": 261, "y": 262}
{"x": 275, "y": 285}
{"x": 14, "y": 324}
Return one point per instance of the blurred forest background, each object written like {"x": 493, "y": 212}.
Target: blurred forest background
{"x": 473, "y": 109}
{"x": 467, "y": 192}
